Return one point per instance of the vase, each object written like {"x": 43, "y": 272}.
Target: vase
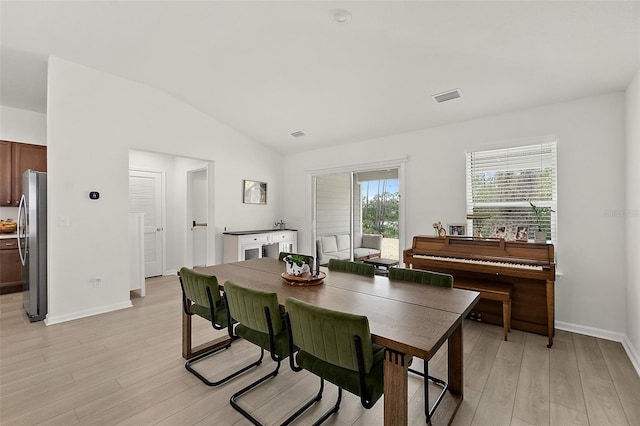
{"x": 540, "y": 236}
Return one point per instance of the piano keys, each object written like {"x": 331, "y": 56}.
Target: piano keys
{"x": 528, "y": 267}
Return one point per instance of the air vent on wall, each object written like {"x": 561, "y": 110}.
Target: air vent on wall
{"x": 298, "y": 134}
{"x": 447, "y": 96}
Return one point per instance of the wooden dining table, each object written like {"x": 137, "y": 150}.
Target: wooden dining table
{"x": 408, "y": 319}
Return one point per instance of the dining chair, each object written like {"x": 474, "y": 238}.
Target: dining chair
{"x": 352, "y": 267}
{"x": 201, "y": 297}
{"x": 337, "y": 347}
{"x": 435, "y": 279}
{"x": 259, "y": 321}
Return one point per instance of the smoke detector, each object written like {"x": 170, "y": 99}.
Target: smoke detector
{"x": 447, "y": 96}
{"x": 341, "y": 16}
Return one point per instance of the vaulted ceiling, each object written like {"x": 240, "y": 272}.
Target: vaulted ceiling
{"x": 270, "y": 68}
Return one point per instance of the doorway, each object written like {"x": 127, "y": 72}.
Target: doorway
{"x": 146, "y": 189}
{"x": 198, "y": 212}
{"x": 363, "y": 200}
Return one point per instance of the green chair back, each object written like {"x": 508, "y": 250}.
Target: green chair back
{"x": 351, "y": 267}
{"x": 194, "y": 287}
{"x": 247, "y": 307}
{"x": 421, "y": 277}
{"x": 328, "y": 335}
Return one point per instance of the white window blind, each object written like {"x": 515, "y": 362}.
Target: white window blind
{"x": 502, "y": 184}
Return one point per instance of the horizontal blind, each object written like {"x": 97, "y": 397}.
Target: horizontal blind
{"x": 503, "y": 183}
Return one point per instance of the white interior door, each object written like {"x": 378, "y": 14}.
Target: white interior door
{"x": 145, "y": 196}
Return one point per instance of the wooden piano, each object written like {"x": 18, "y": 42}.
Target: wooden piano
{"x": 528, "y": 267}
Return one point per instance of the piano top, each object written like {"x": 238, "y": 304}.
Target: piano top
{"x": 492, "y": 249}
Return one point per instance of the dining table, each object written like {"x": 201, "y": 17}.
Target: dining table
{"x": 408, "y": 319}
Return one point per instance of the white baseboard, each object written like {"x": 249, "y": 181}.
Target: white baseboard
{"x": 50, "y": 320}
{"x": 632, "y": 353}
{"x": 170, "y": 272}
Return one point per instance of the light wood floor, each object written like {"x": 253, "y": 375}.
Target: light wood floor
{"x": 125, "y": 368}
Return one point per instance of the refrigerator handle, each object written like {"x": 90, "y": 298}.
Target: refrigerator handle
{"x": 21, "y": 208}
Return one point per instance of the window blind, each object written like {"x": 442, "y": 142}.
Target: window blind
{"x": 503, "y": 183}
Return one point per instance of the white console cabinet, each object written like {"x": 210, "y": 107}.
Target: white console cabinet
{"x": 245, "y": 245}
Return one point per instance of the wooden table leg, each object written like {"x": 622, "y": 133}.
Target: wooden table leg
{"x": 395, "y": 388}
{"x": 456, "y": 379}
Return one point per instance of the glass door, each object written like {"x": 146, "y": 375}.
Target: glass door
{"x": 357, "y": 215}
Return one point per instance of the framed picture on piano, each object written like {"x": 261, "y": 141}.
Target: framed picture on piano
{"x": 457, "y": 229}
{"x": 522, "y": 233}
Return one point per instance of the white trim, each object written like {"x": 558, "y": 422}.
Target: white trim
{"x": 169, "y": 272}
{"x": 512, "y": 143}
{"x": 359, "y": 167}
{"x": 87, "y": 313}
{"x": 634, "y": 356}
{"x": 607, "y": 335}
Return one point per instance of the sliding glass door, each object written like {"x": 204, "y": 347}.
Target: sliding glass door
{"x": 357, "y": 214}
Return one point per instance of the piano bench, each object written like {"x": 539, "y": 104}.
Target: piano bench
{"x": 492, "y": 291}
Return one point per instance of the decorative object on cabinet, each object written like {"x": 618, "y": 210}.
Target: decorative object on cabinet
{"x": 522, "y": 233}
{"x": 254, "y": 192}
{"x": 457, "y": 229}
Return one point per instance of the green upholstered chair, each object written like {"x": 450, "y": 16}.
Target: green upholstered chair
{"x": 201, "y": 297}
{"x": 351, "y": 267}
{"x": 336, "y": 346}
{"x": 428, "y": 278}
{"x": 258, "y": 318}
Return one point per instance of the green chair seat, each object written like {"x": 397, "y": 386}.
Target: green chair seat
{"x": 336, "y": 346}
{"x": 201, "y": 297}
{"x": 258, "y": 318}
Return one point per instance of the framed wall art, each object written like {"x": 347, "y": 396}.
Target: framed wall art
{"x": 254, "y": 192}
{"x": 457, "y": 229}
{"x": 522, "y": 233}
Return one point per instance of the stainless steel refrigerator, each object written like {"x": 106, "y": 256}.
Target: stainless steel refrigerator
{"x": 32, "y": 243}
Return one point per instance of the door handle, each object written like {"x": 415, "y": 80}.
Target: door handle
{"x": 159, "y": 229}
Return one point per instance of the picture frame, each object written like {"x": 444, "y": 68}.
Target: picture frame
{"x": 522, "y": 233}
{"x": 457, "y": 229}
{"x": 254, "y": 192}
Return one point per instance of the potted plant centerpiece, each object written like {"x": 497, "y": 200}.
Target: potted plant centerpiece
{"x": 539, "y": 214}
{"x": 296, "y": 264}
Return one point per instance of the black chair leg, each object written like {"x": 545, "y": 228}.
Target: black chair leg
{"x": 235, "y": 396}
{"x": 306, "y": 406}
{"x": 428, "y": 412}
{"x": 333, "y": 409}
{"x": 188, "y": 366}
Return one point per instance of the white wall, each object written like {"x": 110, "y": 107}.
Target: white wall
{"x": 18, "y": 125}
{"x": 591, "y": 182}
{"x": 632, "y": 217}
{"x": 93, "y": 120}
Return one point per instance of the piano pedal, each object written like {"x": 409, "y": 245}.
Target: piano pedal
{"x": 475, "y": 316}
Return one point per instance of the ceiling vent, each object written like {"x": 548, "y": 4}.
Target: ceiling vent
{"x": 298, "y": 134}
{"x": 447, "y": 96}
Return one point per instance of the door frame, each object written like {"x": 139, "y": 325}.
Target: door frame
{"x": 396, "y": 163}
{"x": 163, "y": 213}
{"x": 189, "y": 228}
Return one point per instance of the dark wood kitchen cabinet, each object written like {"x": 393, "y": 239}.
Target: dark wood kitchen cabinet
{"x": 15, "y": 158}
{"x": 10, "y": 266}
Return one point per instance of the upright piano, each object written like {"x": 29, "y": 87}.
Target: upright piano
{"x": 528, "y": 267}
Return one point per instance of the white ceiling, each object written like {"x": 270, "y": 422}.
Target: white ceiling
{"x": 270, "y": 68}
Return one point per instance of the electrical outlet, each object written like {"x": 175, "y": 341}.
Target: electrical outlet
{"x": 97, "y": 282}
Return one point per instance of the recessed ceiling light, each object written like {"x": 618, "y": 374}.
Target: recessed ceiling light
{"x": 341, "y": 15}
{"x": 298, "y": 134}
{"x": 447, "y": 96}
